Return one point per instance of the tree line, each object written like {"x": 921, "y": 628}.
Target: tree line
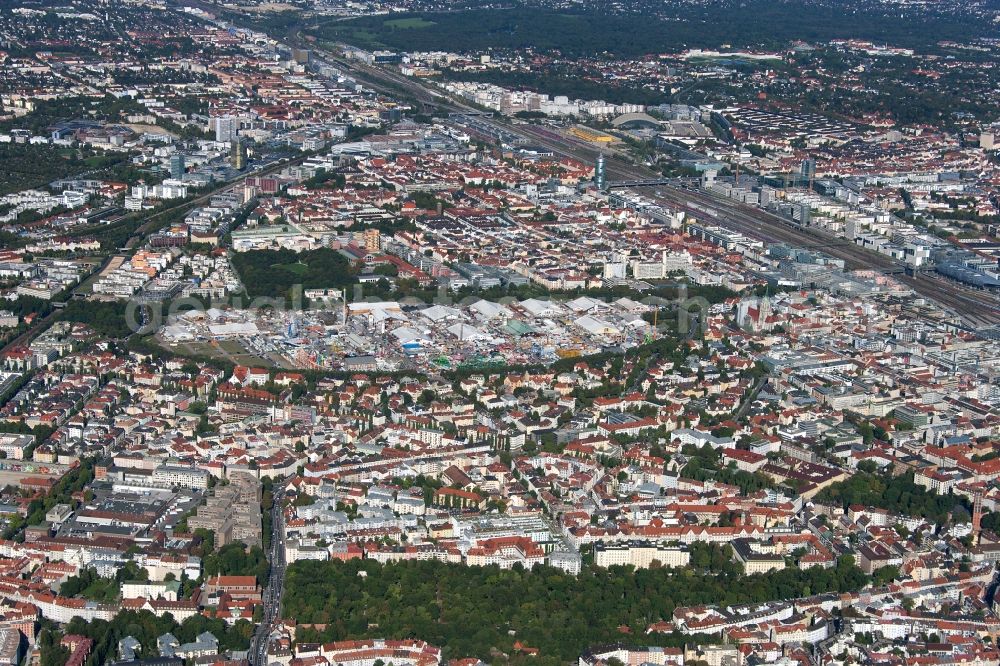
{"x": 652, "y": 29}
{"x": 898, "y": 494}
{"x": 272, "y": 273}
{"x": 472, "y": 611}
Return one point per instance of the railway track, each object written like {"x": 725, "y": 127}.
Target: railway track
{"x": 980, "y": 308}
{"x": 975, "y": 307}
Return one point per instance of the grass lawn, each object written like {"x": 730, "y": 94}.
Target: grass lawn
{"x": 253, "y": 360}
{"x": 199, "y": 349}
{"x": 228, "y": 350}
{"x": 232, "y": 347}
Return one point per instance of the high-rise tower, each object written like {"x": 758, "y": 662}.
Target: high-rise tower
{"x": 177, "y": 166}
{"x": 977, "y": 515}
{"x": 238, "y": 154}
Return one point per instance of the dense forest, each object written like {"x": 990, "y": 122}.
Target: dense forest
{"x": 469, "y": 611}
{"x": 272, "y": 273}
{"x": 108, "y": 318}
{"x": 235, "y": 560}
{"x": 24, "y": 166}
{"x": 583, "y": 33}
{"x": 898, "y": 494}
{"x": 48, "y": 112}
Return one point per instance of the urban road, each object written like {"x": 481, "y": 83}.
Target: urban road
{"x": 975, "y": 307}
{"x": 275, "y": 582}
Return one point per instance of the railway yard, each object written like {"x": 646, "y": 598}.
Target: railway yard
{"x": 976, "y": 308}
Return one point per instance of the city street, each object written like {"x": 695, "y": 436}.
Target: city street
{"x": 276, "y": 581}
